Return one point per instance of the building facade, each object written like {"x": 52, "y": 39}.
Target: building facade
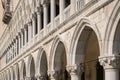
{"x": 60, "y": 40}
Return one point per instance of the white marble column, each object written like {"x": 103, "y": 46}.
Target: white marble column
{"x": 41, "y": 77}
{"x": 111, "y": 66}
{"x": 19, "y": 42}
{"x": 62, "y": 6}
{"x": 27, "y": 78}
{"x": 45, "y": 11}
{"x": 21, "y": 38}
{"x": 16, "y": 46}
{"x": 29, "y": 31}
{"x": 73, "y": 6}
{"x": 13, "y": 52}
{"x": 75, "y": 71}
{"x": 53, "y": 10}
{"x": 33, "y": 24}
{"x": 39, "y": 12}
{"x": 25, "y": 35}
{"x": 53, "y": 75}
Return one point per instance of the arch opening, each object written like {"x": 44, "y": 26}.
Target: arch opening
{"x": 43, "y": 65}
{"x": 116, "y": 41}
{"x": 32, "y": 70}
{"x": 18, "y": 74}
{"x": 60, "y": 62}
{"x": 87, "y": 52}
{"x": 24, "y": 71}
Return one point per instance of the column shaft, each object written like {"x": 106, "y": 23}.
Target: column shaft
{"x": 53, "y": 8}
{"x": 112, "y": 74}
{"x": 45, "y": 6}
{"x": 39, "y": 21}
{"x": 29, "y": 31}
{"x": 111, "y": 65}
{"x": 25, "y": 32}
{"x": 73, "y": 9}
{"x": 19, "y": 43}
{"x": 21, "y": 39}
{"x": 33, "y": 25}
{"x": 62, "y": 6}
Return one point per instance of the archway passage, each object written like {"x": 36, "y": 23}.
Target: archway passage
{"x": 87, "y": 52}
{"x": 60, "y": 62}
{"x": 24, "y": 71}
{"x": 18, "y": 74}
{"x": 116, "y": 41}
{"x": 32, "y": 70}
{"x": 43, "y": 66}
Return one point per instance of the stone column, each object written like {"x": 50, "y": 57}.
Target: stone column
{"x": 62, "y": 6}
{"x": 16, "y": 46}
{"x": 111, "y": 66}
{"x": 19, "y": 41}
{"x": 21, "y": 38}
{"x": 41, "y": 77}
{"x": 53, "y": 8}
{"x": 53, "y": 75}
{"x": 39, "y": 24}
{"x": 45, "y": 11}
{"x": 29, "y": 31}
{"x": 73, "y": 6}
{"x": 27, "y": 78}
{"x": 75, "y": 71}
{"x": 25, "y": 34}
{"x": 33, "y": 24}
{"x": 13, "y": 48}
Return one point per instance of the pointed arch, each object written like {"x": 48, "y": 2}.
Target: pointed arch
{"x": 23, "y": 69}
{"x": 31, "y": 67}
{"x": 17, "y": 71}
{"x": 55, "y": 43}
{"x": 12, "y": 72}
{"x": 41, "y": 62}
{"x": 79, "y": 28}
{"x": 111, "y": 29}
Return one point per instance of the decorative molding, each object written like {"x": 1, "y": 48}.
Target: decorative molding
{"x": 41, "y": 77}
{"x": 110, "y": 62}
{"x": 75, "y": 69}
{"x": 53, "y": 74}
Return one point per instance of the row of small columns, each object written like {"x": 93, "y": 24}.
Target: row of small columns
{"x": 111, "y": 65}
{"x": 53, "y": 12}
{"x": 12, "y": 50}
{"x": 39, "y": 11}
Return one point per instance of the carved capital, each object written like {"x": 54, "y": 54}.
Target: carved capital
{"x": 39, "y": 10}
{"x": 53, "y": 74}
{"x": 41, "y": 77}
{"x": 110, "y": 61}
{"x": 27, "y": 78}
{"x": 75, "y": 69}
